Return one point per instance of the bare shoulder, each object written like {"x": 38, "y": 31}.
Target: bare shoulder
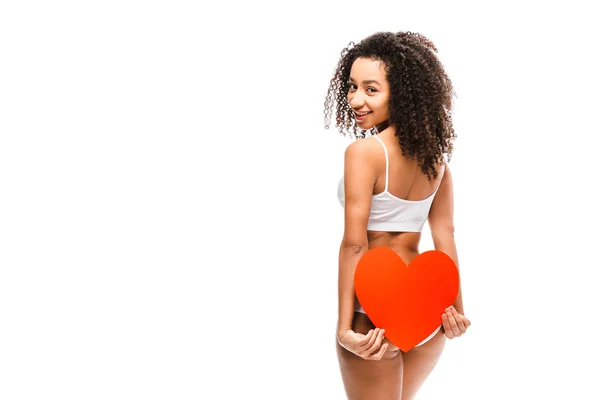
{"x": 359, "y": 177}
{"x": 362, "y": 149}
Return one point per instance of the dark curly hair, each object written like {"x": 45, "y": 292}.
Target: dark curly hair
{"x": 420, "y": 101}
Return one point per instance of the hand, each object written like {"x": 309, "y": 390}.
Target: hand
{"x": 366, "y": 346}
{"x": 454, "y": 324}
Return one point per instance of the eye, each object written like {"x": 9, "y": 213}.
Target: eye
{"x": 374, "y": 90}
{"x": 351, "y": 85}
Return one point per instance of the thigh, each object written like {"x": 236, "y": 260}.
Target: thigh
{"x": 419, "y": 362}
{"x": 369, "y": 379}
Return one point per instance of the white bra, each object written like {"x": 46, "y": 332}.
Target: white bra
{"x": 393, "y": 214}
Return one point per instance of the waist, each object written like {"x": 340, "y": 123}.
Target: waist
{"x": 405, "y": 244}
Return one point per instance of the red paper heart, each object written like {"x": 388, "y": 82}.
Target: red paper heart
{"x": 406, "y": 301}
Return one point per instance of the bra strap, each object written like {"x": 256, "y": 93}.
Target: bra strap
{"x": 387, "y": 166}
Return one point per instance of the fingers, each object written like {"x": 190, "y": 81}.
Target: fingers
{"x": 377, "y": 356}
{"x": 377, "y": 344}
{"x": 459, "y": 320}
{"x": 447, "y": 327}
{"x": 375, "y": 352}
{"x": 371, "y": 348}
{"x": 376, "y": 333}
{"x": 369, "y": 339}
{"x": 454, "y": 324}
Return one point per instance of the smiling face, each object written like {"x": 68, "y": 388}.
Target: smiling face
{"x": 369, "y": 92}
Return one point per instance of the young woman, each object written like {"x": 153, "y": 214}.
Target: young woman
{"x": 393, "y": 85}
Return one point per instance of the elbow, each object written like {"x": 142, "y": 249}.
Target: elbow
{"x": 443, "y": 234}
{"x": 353, "y": 247}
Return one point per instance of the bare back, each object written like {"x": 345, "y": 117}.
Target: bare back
{"x": 406, "y": 181}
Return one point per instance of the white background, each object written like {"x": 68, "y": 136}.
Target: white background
{"x": 169, "y": 226}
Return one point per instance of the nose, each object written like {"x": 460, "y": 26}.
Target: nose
{"x": 356, "y": 99}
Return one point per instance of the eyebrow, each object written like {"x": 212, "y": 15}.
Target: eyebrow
{"x": 366, "y": 82}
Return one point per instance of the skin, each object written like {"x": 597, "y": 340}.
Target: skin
{"x": 372, "y": 367}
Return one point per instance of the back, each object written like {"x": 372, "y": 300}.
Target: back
{"x": 402, "y": 196}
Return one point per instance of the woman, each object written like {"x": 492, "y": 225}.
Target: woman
{"x": 393, "y": 85}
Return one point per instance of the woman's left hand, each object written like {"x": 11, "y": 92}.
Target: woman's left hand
{"x": 454, "y": 324}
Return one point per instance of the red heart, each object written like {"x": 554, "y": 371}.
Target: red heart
{"x": 405, "y": 301}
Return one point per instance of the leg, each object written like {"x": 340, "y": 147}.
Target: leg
{"x": 418, "y": 364}
{"x": 368, "y": 379}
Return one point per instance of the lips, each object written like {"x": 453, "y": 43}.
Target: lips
{"x": 361, "y": 116}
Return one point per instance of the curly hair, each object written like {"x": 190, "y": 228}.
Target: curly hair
{"x": 420, "y": 101}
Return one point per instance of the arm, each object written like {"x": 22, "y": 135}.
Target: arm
{"x": 441, "y": 222}
{"x": 359, "y": 179}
